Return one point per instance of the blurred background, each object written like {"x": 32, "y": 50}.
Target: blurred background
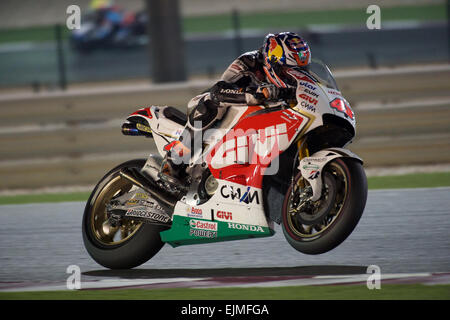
{"x": 64, "y": 93}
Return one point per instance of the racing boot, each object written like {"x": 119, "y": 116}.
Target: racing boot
{"x": 173, "y": 169}
{"x": 190, "y": 144}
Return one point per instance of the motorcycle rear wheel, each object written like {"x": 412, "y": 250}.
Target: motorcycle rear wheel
{"x": 326, "y": 223}
{"x": 128, "y": 245}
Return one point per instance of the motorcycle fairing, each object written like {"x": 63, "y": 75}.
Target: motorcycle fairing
{"x": 315, "y": 98}
{"x": 185, "y": 231}
{"x": 248, "y": 221}
{"x": 236, "y": 208}
{"x": 246, "y": 153}
{"x": 164, "y": 129}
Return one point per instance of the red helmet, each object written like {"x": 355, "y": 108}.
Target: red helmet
{"x": 284, "y": 49}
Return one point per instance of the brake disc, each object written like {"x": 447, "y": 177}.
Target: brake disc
{"x": 315, "y": 212}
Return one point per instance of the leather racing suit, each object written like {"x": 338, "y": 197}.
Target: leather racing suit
{"x": 243, "y": 82}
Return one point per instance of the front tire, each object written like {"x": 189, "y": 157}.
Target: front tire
{"x": 133, "y": 243}
{"x": 325, "y": 224}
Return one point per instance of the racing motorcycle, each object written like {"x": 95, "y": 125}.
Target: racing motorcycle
{"x": 98, "y": 32}
{"x": 283, "y": 163}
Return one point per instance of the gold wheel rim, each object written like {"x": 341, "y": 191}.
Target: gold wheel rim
{"x": 311, "y": 232}
{"x": 99, "y": 216}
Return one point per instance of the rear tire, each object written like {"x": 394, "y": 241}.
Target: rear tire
{"x": 314, "y": 237}
{"x": 139, "y": 242}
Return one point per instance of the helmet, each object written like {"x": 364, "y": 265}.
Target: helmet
{"x": 285, "y": 49}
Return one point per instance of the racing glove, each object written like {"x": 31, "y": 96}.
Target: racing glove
{"x": 227, "y": 92}
{"x": 261, "y": 94}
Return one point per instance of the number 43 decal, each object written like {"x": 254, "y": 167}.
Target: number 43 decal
{"x": 342, "y": 106}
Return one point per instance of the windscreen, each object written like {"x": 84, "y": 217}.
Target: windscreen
{"x": 322, "y": 73}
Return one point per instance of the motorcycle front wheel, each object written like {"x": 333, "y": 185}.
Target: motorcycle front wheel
{"x": 320, "y": 226}
{"x": 127, "y": 245}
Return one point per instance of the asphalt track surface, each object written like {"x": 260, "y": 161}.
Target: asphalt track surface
{"x": 401, "y": 231}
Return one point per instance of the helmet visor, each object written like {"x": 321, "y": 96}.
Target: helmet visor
{"x": 300, "y": 51}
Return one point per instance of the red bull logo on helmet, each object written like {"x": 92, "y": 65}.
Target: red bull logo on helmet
{"x": 275, "y": 50}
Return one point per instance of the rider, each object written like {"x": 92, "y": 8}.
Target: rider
{"x": 252, "y": 79}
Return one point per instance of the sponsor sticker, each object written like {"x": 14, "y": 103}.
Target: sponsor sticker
{"x": 308, "y": 106}
{"x": 203, "y": 225}
{"x": 203, "y": 233}
{"x": 141, "y": 195}
{"x": 203, "y": 229}
{"x": 161, "y": 217}
{"x": 262, "y": 143}
{"x": 144, "y": 128}
{"x": 311, "y": 93}
{"x": 231, "y": 91}
{"x": 239, "y": 194}
{"x": 334, "y": 92}
{"x": 145, "y": 203}
{"x": 307, "y": 85}
{"x": 317, "y": 159}
{"x": 310, "y": 166}
{"x": 245, "y": 227}
{"x": 313, "y": 174}
{"x": 195, "y": 212}
{"x": 224, "y": 215}
{"x": 308, "y": 99}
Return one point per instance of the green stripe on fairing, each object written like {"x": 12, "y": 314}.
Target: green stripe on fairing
{"x": 180, "y": 232}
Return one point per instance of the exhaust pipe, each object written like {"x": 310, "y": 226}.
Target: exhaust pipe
{"x": 138, "y": 179}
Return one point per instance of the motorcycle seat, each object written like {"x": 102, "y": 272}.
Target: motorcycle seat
{"x": 175, "y": 115}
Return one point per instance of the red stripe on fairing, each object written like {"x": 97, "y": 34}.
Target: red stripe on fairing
{"x": 139, "y": 113}
{"x": 250, "y": 109}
